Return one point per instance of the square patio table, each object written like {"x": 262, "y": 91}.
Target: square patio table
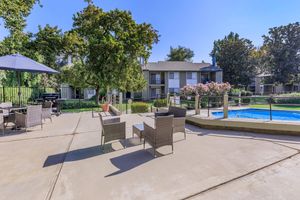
{"x": 138, "y": 129}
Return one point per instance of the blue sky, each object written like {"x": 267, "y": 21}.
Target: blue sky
{"x": 191, "y": 23}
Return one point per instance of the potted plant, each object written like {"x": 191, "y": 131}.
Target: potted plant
{"x": 105, "y": 107}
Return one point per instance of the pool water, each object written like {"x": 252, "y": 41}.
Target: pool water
{"x": 261, "y": 114}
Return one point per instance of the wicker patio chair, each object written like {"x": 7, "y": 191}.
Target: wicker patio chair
{"x": 161, "y": 135}
{"x": 112, "y": 129}
{"x": 9, "y": 117}
{"x": 47, "y": 110}
{"x": 33, "y": 117}
{"x": 179, "y": 118}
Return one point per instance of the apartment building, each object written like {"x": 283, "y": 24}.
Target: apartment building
{"x": 165, "y": 77}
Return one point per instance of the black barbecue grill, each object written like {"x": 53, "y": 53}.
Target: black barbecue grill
{"x": 55, "y": 99}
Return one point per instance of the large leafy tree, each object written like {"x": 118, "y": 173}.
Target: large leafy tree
{"x": 233, "y": 55}
{"x": 110, "y": 45}
{"x": 14, "y": 15}
{"x": 180, "y": 53}
{"x": 283, "y": 52}
{"x": 48, "y": 48}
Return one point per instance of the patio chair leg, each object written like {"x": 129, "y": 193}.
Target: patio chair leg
{"x": 172, "y": 148}
{"x": 144, "y": 143}
{"x": 125, "y": 143}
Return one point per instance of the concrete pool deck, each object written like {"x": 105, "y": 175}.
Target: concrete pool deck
{"x": 65, "y": 161}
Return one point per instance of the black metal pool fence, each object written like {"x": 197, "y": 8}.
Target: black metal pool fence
{"x": 209, "y": 103}
{"x": 28, "y": 94}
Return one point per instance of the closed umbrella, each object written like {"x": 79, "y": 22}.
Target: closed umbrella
{"x": 20, "y": 63}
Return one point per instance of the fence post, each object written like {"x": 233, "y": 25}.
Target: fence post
{"x": 3, "y": 90}
{"x": 197, "y": 110}
{"x": 120, "y": 100}
{"x": 225, "y": 106}
{"x": 240, "y": 99}
{"x": 168, "y": 98}
{"x": 129, "y": 103}
{"x": 208, "y": 101}
{"x": 114, "y": 99}
{"x": 270, "y": 102}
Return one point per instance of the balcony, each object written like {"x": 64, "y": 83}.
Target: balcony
{"x": 156, "y": 81}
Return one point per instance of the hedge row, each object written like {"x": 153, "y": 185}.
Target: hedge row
{"x": 160, "y": 103}
{"x": 73, "y": 104}
{"x": 139, "y": 107}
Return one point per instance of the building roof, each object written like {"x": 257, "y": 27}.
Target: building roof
{"x": 179, "y": 66}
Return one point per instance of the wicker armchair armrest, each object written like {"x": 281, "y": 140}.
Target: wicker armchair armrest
{"x": 112, "y": 120}
{"x": 20, "y": 119}
{"x": 159, "y": 114}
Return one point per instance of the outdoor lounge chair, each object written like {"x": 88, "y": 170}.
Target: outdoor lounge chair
{"x": 33, "y": 117}
{"x": 112, "y": 129}
{"x": 161, "y": 135}
{"x": 47, "y": 110}
{"x": 179, "y": 118}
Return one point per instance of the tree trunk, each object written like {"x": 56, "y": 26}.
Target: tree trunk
{"x": 97, "y": 94}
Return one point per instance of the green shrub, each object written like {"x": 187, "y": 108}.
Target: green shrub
{"x": 139, "y": 107}
{"x": 246, "y": 100}
{"x": 292, "y": 98}
{"x": 160, "y": 103}
{"x": 73, "y": 104}
{"x": 236, "y": 92}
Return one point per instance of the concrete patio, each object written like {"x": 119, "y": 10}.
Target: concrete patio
{"x": 65, "y": 161}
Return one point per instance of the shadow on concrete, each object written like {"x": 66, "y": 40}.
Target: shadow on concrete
{"x": 81, "y": 154}
{"x": 74, "y": 155}
{"x": 130, "y": 161}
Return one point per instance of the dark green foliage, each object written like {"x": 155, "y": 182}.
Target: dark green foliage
{"x": 233, "y": 55}
{"x": 160, "y": 103}
{"x": 293, "y": 98}
{"x": 236, "y": 92}
{"x": 283, "y": 46}
{"x": 180, "y": 54}
{"x": 73, "y": 104}
{"x": 139, "y": 107}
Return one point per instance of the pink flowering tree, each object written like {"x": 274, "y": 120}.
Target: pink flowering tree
{"x": 212, "y": 89}
{"x": 188, "y": 90}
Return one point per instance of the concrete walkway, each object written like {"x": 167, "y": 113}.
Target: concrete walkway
{"x": 65, "y": 161}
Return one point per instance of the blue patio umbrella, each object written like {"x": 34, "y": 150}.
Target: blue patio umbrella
{"x": 20, "y": 63}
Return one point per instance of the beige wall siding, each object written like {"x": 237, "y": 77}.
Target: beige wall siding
{"x": 166, "y": 82}
{"x": 198, "y": 77}
{"x": 219, "y": 77}
{"x": 145, "y": 93}
{"x": 182, "y": 79}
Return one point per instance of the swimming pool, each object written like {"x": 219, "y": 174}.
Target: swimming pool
{"x": 261, "y": 114}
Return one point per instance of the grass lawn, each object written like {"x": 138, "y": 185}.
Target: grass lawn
{"x": 77, "y": 110}
{"x": 276, "y": 107}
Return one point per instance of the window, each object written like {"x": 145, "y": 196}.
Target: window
{"x": 171, "y": 75}
{"x": 173, "y": 90}
{"x": 91, "y": 91}
{"x": 189, "y": 75}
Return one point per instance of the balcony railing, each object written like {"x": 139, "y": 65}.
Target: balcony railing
{"x": 157, "y": 81}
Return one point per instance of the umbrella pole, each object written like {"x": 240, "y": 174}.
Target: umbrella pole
{"x": 19, "y": 86}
